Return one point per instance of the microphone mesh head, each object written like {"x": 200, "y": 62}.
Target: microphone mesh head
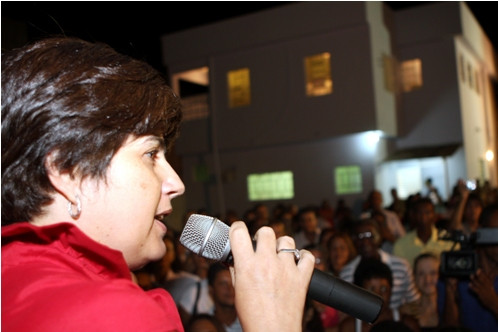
{"x": 206, "y": 236}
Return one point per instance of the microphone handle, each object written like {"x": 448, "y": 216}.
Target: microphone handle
{"x": 339, "y": 294}
{"x": 344, "y": 296}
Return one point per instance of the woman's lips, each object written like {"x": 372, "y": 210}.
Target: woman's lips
{"x": 161, "y": 225}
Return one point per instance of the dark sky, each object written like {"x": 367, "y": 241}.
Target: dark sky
{"x": 134, "y": 27}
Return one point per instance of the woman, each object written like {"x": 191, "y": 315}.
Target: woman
{"x": 318, "y": 316}
{"x": 340, "y": 250}
{"x": 85, "y": 189}
{"x": 426, "y": 276}
{"x": 465, "y": 218}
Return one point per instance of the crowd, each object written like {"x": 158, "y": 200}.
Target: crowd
{"x": 394, "y": 251}
{"x": 86, "y": 187}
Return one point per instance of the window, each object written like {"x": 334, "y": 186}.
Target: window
{"x": 411, "y": 74}
{"x": 478, "y": 89}
{"x": 270, "y": 186}
{"x": 461, "y": 64}
{"x": 470, "y": 75}
{"x": 239, "y": 87}
{"x": 348, "y": 180}
{"x": 318, "y": 75}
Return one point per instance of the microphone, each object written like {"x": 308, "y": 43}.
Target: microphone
{"x": 208, "y": 237}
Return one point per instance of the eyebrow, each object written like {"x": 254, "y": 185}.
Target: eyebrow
{"x": 156, "y": 140}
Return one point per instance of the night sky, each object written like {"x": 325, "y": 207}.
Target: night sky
{"x": 134, "y": 28}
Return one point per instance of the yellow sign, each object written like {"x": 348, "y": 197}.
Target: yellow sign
{"x": 318, "y": 76}
{"x": 239, "y": 88}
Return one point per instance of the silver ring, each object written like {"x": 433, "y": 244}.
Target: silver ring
{"x": 296, "y": 252}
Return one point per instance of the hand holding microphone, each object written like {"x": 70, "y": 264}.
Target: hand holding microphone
{"x": 259, "y": 269}
{"x": 270, "y": 288}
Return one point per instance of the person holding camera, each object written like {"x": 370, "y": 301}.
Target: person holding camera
{"x": 473, "y": 302}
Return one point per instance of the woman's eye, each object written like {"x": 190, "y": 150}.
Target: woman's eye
{"x": 152, "y": 154}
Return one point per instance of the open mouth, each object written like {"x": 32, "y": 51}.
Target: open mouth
{"x": 160, "y": 217}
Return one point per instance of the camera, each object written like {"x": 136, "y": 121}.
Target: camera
{"x": 471, "y": 185}
{"x": 463, "y": 262}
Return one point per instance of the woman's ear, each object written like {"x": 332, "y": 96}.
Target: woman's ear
{"x": 64, "y": 182}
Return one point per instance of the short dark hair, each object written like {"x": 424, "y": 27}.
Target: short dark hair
{"x": 214, "y": 269}
{"x": 307, "y": 209}
{"x": 423, "y": 256}
{"x": 370, "y": 268}
{"x": 81, "y": 101}
{"x": 421, "y": 202}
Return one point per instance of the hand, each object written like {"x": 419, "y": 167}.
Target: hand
{"x": 270, "y": 288}
{"x": 482, "y": 285}
{"x": 451, "y": 286}
{"x": 462, "y": 189}
{"x": 410, "y": 308}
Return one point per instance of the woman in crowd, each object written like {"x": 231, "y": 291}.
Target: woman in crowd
{"x": 340, "y": 250}
{"x": 86, "y": 188}
{"x": 426, "y": 276}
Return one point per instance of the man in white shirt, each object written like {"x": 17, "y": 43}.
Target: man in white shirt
{"x": 367, "y": 240}
{"x": 309, "y": 231}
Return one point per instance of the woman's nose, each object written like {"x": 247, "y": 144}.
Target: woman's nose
{"x": 172, "y": 184}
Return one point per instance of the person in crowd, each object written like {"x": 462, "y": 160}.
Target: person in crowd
{"x": 390, "y": 227}
{"x": 387, "y": 237}
{"x": 325, "y": 235}
{"x": 397, "y": 205}
{"x": 158, "y": 273}
{"x": 473, "y": 302}
{"x": 318, "y": 316}
{"x": 340, "y": 251}
{"x": 465, "y": 217}
{"x": 284, "y": 212}
{"x": 204, "y": 323}
{"x": 230, "y": 217}
{"x": 426, "y": 275}
{"x": 261, "y": 217}
{"x": 343, "y": 216}
{"x": 309, "y": 233}
{"x": 86, "y": 189}
{"x": 425, "y": 237}
{"x": 278, "y": 226}
{"x": 391, "y": 326}
{"x": 326, "y": 215}
{"x": 190, "y": 290}
{"x": 367, "y": 242}
{"x": 408, "y": 219}
{"x": 432, "y": 193}
{"x": 223, "y": 295}
{"x": 377, "y": 277}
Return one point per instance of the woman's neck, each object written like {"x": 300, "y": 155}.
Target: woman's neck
{"x": 428, "y": 300}
{"x": 428, "y": 315}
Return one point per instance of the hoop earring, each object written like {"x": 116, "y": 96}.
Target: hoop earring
{"x": 74, "y": 214}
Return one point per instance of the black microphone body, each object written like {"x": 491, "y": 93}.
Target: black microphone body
{"x": 208, "y": 237}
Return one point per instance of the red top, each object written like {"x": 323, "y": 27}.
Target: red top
{"x": 55, "y": 278}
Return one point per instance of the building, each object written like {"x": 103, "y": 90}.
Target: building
{"x": 316, "y": 101}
